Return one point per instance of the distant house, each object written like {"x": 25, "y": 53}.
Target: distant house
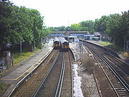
{"x": 103, "y": 36}
{"x": 97, "y": 34}
{"x": 88, "y": 36}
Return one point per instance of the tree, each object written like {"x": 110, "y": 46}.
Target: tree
{"x": 5, "y": 13}
{"x": 100, "y": 24}
{"x": 20, "y": 25}
{"x": 123, "y": 29}
{"x": 87, "y": 26}
{"x": 113, "y": 27}
{"x": 75, "y": 27}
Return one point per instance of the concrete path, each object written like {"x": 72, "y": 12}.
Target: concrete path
{"x": 15, "y": 76}
{"x": 27, "y": 66}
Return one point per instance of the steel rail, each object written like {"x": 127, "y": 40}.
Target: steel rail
{"x": 60, "y": 82}
{"x": 43, "y": 81}
{"x": 73, "y": 56}
{"x": 28, "y": 75}
{"x": 117, "y": 61}
{"x": 105, "y": 73}
{"x": 99, "y": 92}
{"x": 71, "y": 72}
{"x": 117, "y": 75}
{"x": 120, "y": 78}
{"x": 120, "y": 69}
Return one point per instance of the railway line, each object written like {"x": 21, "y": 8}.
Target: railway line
{"x": 111, "y": 69}
{"x": 30, "y": 84}
{"x": 58, "y": 83}
{"x": 101, "y": 78}
{"x": 53, "y": 78}
{"x": 120, "y": 74}
{"x": 50, "y": 86}
{"x": 67, "y": 85}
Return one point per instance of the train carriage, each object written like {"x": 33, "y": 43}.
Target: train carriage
{"x": 56, "y": 43}
{"x": 64, "y": 45}
{"x": 61, "y": 44}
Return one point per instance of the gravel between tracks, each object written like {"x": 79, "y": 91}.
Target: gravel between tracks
{"x": 67, "y": 83}
{"x": 88, "y": 86}
{"x": 94, "y": 82}
{"x": 107, "y": 90}
{"x": 29, "y": 86}
{"x": 48, "y": 88}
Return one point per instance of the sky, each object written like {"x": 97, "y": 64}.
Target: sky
{"x": 67, "y": 12}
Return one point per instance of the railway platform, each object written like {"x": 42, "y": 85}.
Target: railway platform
{"x": 121, "y": 55}
{"x": 95, "y": 42}
{"x": 27, "y": 66}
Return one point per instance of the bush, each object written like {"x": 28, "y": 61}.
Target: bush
{"x": 87, "y": 64}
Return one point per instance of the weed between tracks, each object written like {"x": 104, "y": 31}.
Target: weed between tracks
{"x": 87, "y": 64}
{"x": 86, "y": 70}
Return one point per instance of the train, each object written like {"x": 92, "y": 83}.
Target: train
{"x": 56, "y": 43}
{"x": 61, "y": 44}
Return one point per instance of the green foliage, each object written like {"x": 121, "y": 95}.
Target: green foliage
{"x": 82, "y": 26}
{"x": 75, "y": 27}
{"x": 68, "y": 28}
{"x": 5, "y": 21}
{"x": 104, "y": 43}
{"x": 3, "y": 87}
{"x": 125, "y": 25}
{"x": 101, "y": 24}
{"x": 113, "y": 28}
{"x": 87, "y": 26}
{"x": 61, "y": 28}
{"x": 113, "y": 23}
{"x": 20, "y": 24}
{"x": 116, "y": 26}
{"x": 18, "y": 57}
{"x": 123, "y": 29}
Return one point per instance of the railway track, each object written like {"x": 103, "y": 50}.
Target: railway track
{"x": 119, "y": 90}
{"x": 120, "y": 76}
{"x": 30, "y": 84}
{"x": 104, "y": 85}
{"x": 67, "y": 85}
{"x": 120, "y": 64}
{"x": 58, "y": 82}
{"x": 50, "y": 87}
{"x": 53, "y": 78}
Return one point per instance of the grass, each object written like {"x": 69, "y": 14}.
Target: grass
{"x": 111, "y": 46}
{"x": 3, "y": 88}
{"x": 104, "y": 43}
{"x": 18, "y": 57}
{"x": 115, "y": 48}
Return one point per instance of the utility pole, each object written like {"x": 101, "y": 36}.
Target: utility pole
{"x": 20, "y": 46}
{"x": 124, "y": 45}
{"x": 127, "y": 46}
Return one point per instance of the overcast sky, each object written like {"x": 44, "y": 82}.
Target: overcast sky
{"x": 66, "y": 12}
